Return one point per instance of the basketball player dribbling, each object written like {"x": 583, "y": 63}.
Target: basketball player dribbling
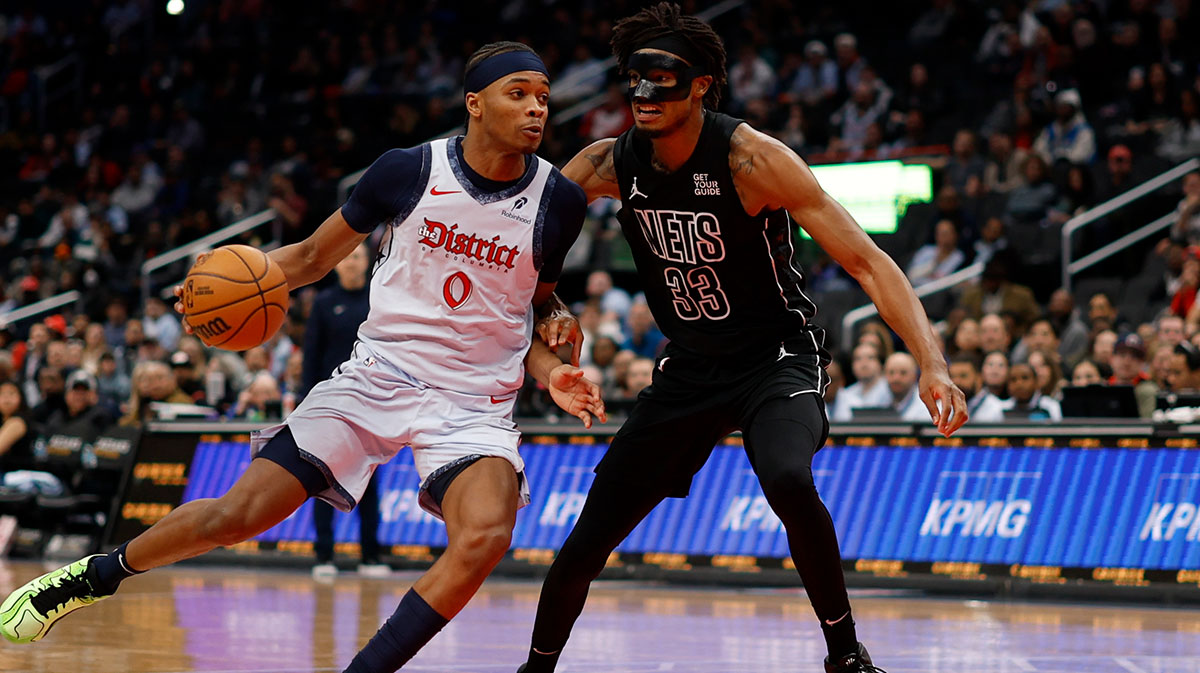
{"x": 709, "y": 207}
{"x": 479, "y": 230}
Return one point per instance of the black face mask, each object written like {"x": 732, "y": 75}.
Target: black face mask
{"x": 644, "y": 62}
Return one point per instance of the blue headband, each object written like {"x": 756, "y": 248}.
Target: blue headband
{"x": 493, "y": 68}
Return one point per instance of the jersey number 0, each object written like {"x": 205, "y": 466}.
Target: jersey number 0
{"x": 457, "y": 289}
{"x": 697, "y": 294}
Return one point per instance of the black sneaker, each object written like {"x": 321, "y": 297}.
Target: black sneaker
{"x": 855, "y": 662}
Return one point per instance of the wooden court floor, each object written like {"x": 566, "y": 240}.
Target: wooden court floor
{"x": 225, "y": 620}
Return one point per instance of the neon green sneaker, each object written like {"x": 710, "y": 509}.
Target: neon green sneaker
{"x": 28, "y": 613}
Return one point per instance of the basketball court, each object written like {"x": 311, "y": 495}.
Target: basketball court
{"x": 222, "y": 620}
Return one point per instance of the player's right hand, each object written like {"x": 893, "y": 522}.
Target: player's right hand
{"x": 179, "y": 308}
{"x": 946, "y": 403}
{"x": 576, "y": 395}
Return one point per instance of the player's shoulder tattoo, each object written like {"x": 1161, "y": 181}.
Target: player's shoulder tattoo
{"x": 600, "y": 156}
{"x": 741, "y": 153}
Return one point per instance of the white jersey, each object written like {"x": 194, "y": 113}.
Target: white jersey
{"x": 452, "y": 291}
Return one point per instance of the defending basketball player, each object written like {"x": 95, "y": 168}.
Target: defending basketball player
{"x": 708, "y": 207}
{"x": 479, "y": 230}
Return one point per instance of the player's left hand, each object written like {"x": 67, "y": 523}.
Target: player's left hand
{"x": 946, "y": 403}
{"x": 560, "y": 328}
{"x": 576, "y": 395}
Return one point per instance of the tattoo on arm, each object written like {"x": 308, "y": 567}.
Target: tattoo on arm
{"x": 741, "y": 161}
{"x": 602, "y": 164}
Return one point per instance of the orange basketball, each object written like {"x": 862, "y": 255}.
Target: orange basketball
{"x": 235, "y": 297}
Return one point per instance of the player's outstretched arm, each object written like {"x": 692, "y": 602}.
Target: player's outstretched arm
{"x": 567, "y": 385}
{"x": 309, "y": 260}
{"x": 768, "y": 175}
{"x": 593, "y": 169}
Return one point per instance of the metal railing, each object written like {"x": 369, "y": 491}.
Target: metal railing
{"x": 201, "y": 244}
{"x": 46, "y": 94}
{"x": 857, "y": 315}
{"x": 38, "y": 307}
{"x": 1084, "y": 219}
{"x": 1121, "y": 243}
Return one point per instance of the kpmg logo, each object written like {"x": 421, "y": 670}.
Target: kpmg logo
{"x": 436, "y": 235}
{"x": 1175, "y": 509}
{"x": 980, "y": 504}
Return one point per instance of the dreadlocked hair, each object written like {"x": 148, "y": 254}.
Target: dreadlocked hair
{"x": 666, "y": 18}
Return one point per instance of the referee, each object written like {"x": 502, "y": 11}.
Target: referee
{"x": 328, "y": 339}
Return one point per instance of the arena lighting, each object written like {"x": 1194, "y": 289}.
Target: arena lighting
{"x": 174, "y": 7}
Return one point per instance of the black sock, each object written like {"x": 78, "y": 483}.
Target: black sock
{"x": 412, "y": 625}
{"x": 541, "y": 662}
{"x": 112, "y": 569}
{"x": 840, "y": 636}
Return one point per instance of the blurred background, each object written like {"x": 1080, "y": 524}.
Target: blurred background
{"x": 1032, "y": 166}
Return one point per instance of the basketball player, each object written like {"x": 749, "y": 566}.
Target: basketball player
{"x": 479, "y": 228}
{"x": 709, "y": 207}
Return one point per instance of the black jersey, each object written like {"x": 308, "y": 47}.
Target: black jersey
{"x": 718, "y": 281}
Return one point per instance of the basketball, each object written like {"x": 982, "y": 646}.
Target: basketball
{"x": 235, "y": 297}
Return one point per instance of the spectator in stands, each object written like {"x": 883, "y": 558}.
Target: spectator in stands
{"x": 16, "y": 429}
{"x": 1048, "y": 370}
{"x": 991, "y": 239}
{"x": 918, "y": 94}
{"x": 1186, "y": 228}
{"x": 750, "y": 77}
{"x": 1073, "y": 334}
{"x": 995, "y": 373}
{"x": 965, "y": 168}
{"x": 837, "y": 380}
{"x": 877, "y": 334}
{"x": 112, "y": 385}
{"x": 994, "y": 334}
{"x": 31, "y": 358}
{"x": 117, "y": 314}
{"x": 864, "y": 108}
{"x": 850, "y": 64}
{"x": 1004, "y": 170}
{"x": 1029, "y": 203}
{"x": 1128, "y": 363}
{"x": 620, "y": 374}
{"x": 127, "y": 352}
{"x": 1169, "y": 329}
{"x": 1185, "y": 369}
{"x": 870, "y": 388}
{"x": 160, "y": 324}
{"x": 610, "y": 119}
{"x": 153, "y": 381}
{"x": 1026, "y": 400}
{"x": 1183, "y": 300}
{"x": 937, "y": 259}
{"x": 603, "y": 353}
{"x": 1101, "y": 350}
{"x": 259, "y": 401}
{"x": 614, "y": 302}
{"x": 94, "y": 346}
{"x": 186, "y": 376}
{"x": 1069, "y": 136}
{"x": 1041, "y": 335}
{"x": 966, "y": 341}
{"x": 982, "y": 405}
{"x": 900, "y": 371}
{"x": 816, "y": 81}
{"x": 82, "y": 416}
{"x": 1078, "y": 196}
{"x": 1179, "y": 138}
{"x": 1160, "y": 365}
{"x": 1102, "y": 314}
{"x": 644, "y": 336}
{"x": 1089, "y": 372}
{"x": 641, "y": 371}
{"x": 996, "y": 294}
{"x": 51, "y": 386}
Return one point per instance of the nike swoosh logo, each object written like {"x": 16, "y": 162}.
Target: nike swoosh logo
{"x": 434, "y": 192}
{"x": 496, "y": 401}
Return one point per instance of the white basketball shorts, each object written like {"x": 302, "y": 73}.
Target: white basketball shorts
{"x": 369, "y": 410}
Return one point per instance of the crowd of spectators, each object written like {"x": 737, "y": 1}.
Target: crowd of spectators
{"x": 163, "y": 129}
